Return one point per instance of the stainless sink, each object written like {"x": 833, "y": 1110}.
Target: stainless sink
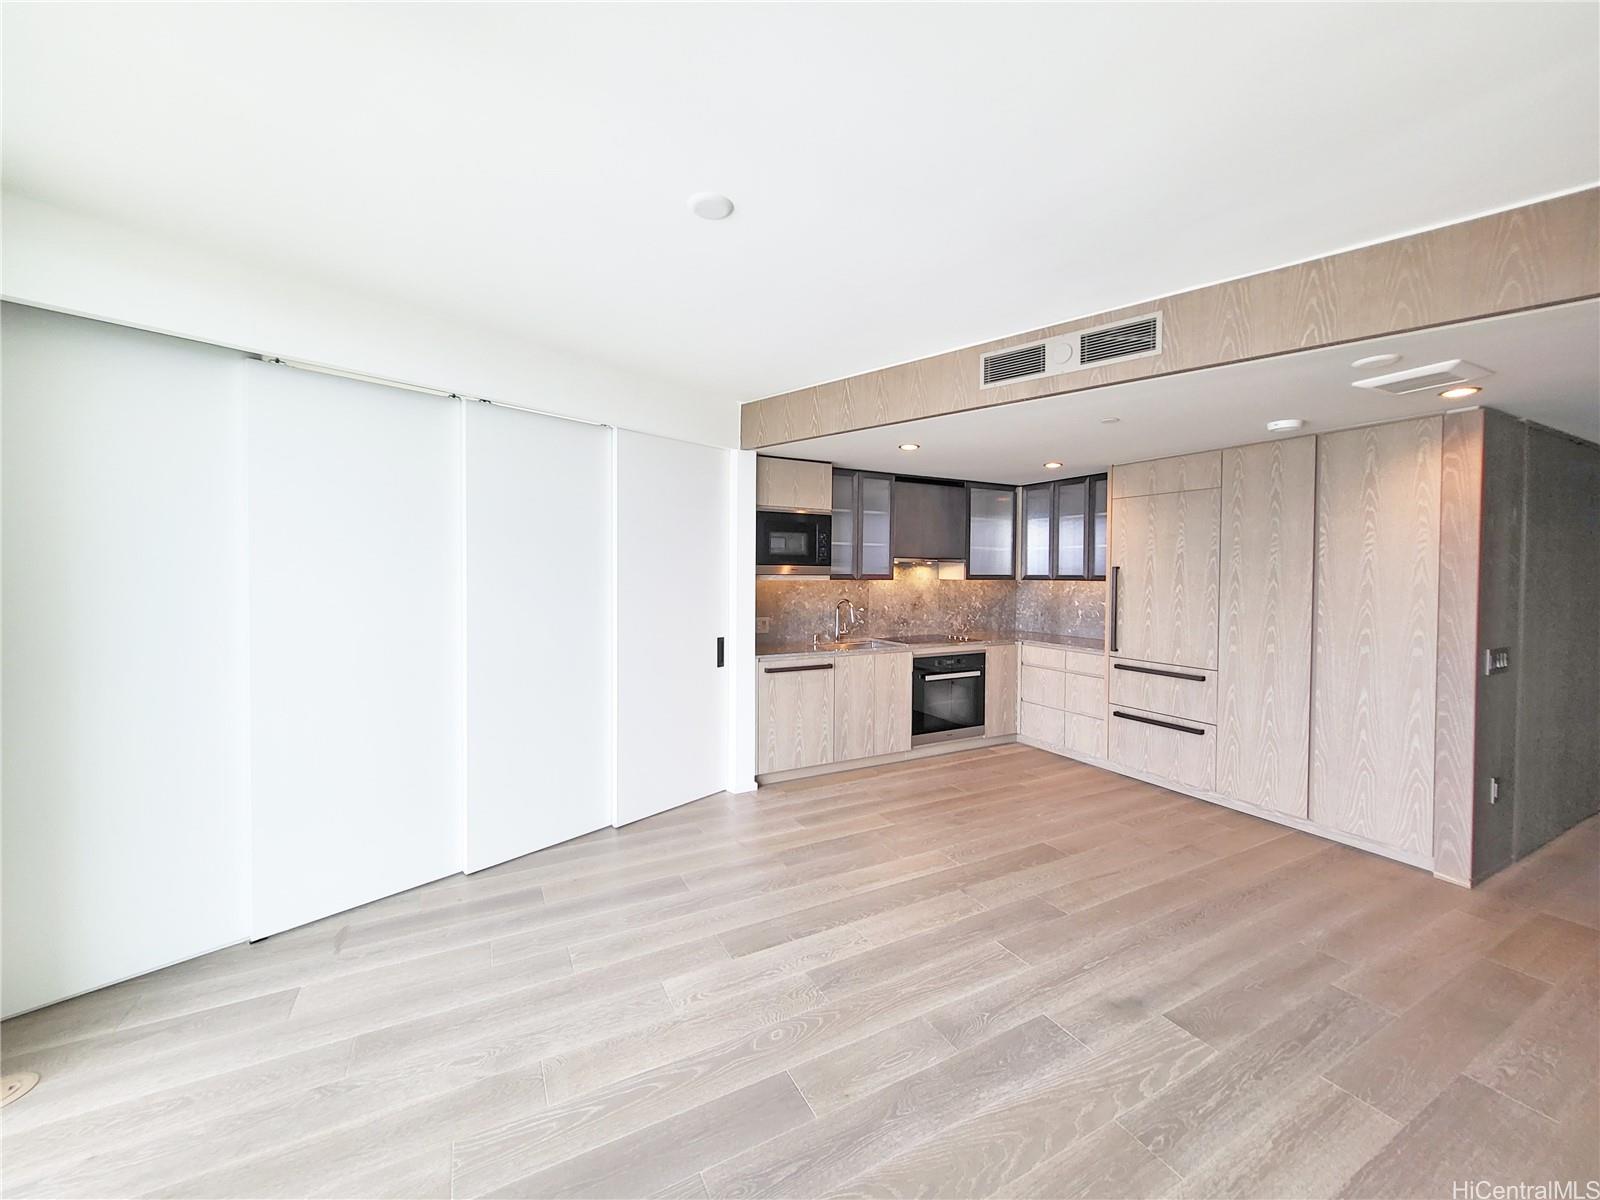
{"x": 860, "y": 644}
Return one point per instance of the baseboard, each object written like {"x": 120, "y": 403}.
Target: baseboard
{"x": 854, "y": 764}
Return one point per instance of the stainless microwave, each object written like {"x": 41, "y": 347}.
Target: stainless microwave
{"x": 793, "y": 543}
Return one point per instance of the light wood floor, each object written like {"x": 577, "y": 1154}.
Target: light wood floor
{"x": 997, "y": 973}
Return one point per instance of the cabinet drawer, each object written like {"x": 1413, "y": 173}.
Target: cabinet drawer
{"x": 794, "y": 713}
{"x": 1041, "y": 686}
{"x": 1182, "y": 751}
{"x": 1051, "y": 657}
{"x": 1085, "y": 662}
{"x": 1085, "y": 735}
{"x": 1044, "y": 725}
{"x": 1085, "y": 695}
{"x": 1187, "y": 692}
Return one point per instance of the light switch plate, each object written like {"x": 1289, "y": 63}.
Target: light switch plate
{"x": 763, "y": 624}
{"x": 1496, "y": 660}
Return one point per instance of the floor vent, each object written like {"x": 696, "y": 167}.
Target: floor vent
{"x": 1138, "y": 338}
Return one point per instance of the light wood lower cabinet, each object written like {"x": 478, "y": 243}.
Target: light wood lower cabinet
{"x": 1188, "y": 692}
{"x": 1375, "y": 637}
{"x": 871, "y": 705}
{"x": 1164, "y": 574}
{"x": 1263, "y": 701}
{"x": 1084, "y": 734}
{"x": 794, "y": 714}
{"x": 999, "y": 691}
{"x": 1042, "y": 686}
{"x": 1046, "y": 726}
{"x": 1182, "y": 751}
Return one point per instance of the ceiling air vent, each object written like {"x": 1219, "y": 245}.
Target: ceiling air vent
{"x": 1137, "y": 338}
{"x": 1445, "y": 374}
{"x": 1121, "y": 341}
{"x": 1006, "y": 365}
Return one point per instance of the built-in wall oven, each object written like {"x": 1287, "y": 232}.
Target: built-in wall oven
{"x": 946, "y": 697}
{"x": 793, "y": 543}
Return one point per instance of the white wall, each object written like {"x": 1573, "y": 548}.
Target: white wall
{"x": 538, "y": 576}
{"x": 63, "y": 260}
{"x": 123, "y": 818}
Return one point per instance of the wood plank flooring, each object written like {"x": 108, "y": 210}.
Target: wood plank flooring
{"x": 999, "y": 973}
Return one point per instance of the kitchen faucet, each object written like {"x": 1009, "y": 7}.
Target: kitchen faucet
{"x": 846, "y": 616}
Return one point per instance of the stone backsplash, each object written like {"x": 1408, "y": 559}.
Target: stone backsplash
{"x": 916, "y": 600}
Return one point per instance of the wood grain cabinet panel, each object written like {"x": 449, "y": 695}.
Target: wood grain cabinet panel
{"x": 1000, "y": 682}
{"x": 794, "y": 714}
{"x": 1375, "y": 635}
{"x": 1264, "y": 640}
{"x": 1188, "y": 692}
{"x": 1085, "y": 695}
{"x": 871, "y": 705}
{"x": 1185, "y": 473}
{"x": 1182, "y": 751}
{"x": 792, "y": 483}
{"x": 1040, "y": 724}
{"x": 1085, "y": 735}
{"x": 1043, "y": 686}
{"x": 1164, "y": 554}
{"x": 1084, "y": 662}
{"x": 1050, "y": 657}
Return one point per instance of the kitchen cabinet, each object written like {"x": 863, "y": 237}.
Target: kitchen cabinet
{"x": 930, "y": 519}
{"x": 1186, "y": 692}
{"x": 794, "y": 714}
{"x": 793, "y": 483}
{"x": 1185, "y": 473}
{"x": 862, "y": 520}
{"x": 1000, "y": 691}
{"x": 1263, "y": 701}
{"x": 1375, "y": 633}
{"x": 991, "y": 531}
{"x": 1063, "y": 699}
{"x": 1064, "y": 529}
{"x": 1164, "y": 564}
{"x": 871, "y": 705}
{"x": 1165, "y": 747}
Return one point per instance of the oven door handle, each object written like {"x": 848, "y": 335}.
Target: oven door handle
{"x": 952, "y": 675}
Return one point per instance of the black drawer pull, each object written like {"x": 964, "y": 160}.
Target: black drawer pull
{"x": 1156, "y": 671}
{"x": 1162, "y": 724}
{"x": 807, "y": 667}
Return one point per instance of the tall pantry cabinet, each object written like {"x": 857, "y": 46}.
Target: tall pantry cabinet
{"x": 1273, "y": 629}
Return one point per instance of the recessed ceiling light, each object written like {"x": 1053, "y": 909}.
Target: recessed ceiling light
{"x": 1284, "y": 424}
{"x": 909, "y": 446}
{"x": 713, "y": 206}
{"x": 1460, "y": 393}
{"x": 1109, "y": 420}
{"x": 1375, "y": 360}
{"x": 1052, "y": 466}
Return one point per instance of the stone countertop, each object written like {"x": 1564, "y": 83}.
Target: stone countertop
{"x": 768, "y": 648}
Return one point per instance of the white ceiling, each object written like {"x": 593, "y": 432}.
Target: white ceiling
{"x": 909, "y": 178}
{"x": 1546, "y": 368}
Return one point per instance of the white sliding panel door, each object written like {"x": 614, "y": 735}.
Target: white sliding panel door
{"x": 674, "y": 517}
{"x": 124, "y": 815}
{"x": 355, "y": 509}
{"x": 537, "y": 560}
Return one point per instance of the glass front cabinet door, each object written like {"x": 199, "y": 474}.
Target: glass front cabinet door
{"x": 862, "y": 504}
{"x": 991, "y": 531}
{"x": 1064, "y": 529}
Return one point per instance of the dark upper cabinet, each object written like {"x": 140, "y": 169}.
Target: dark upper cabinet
{"x": 930, "y": 519}
{"x": 991, "y": 531}
{"x": 862, "y": 515}
{"x": 1064, "y": 529}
